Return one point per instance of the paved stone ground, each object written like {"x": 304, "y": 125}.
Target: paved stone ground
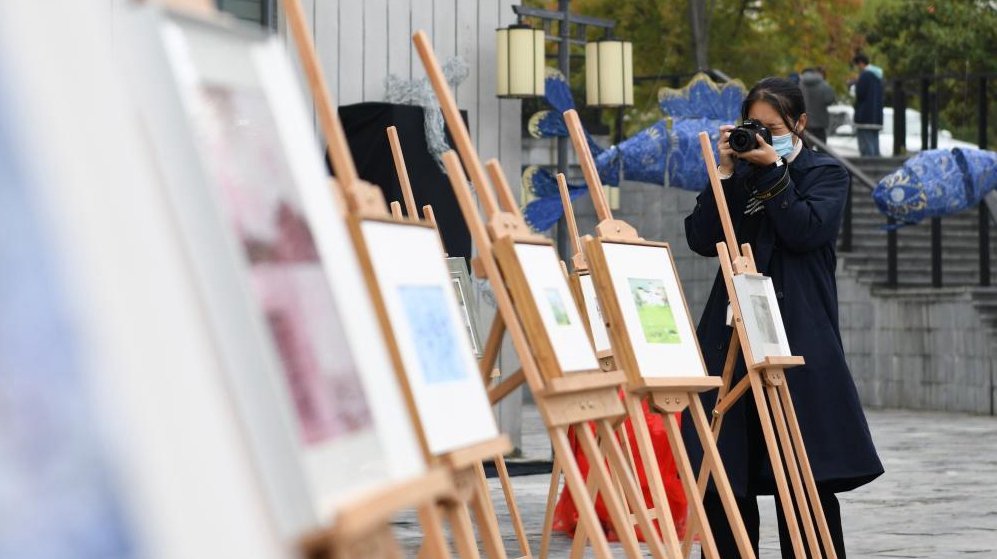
{"x": 938, "y": 498}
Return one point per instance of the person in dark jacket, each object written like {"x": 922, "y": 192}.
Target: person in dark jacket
{"x": 786, "y": 201}
{"x": 868, "y": 106}
{"x": 818, "y": 95}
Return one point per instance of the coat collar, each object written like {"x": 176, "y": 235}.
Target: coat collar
{"x": 809, "y": 158}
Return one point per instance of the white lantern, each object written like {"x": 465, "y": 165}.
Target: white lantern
{"x": 609, "y": 73}
{"x": 520, "y": 62}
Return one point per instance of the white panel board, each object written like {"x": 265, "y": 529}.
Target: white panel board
{"x": 375, "y": 48}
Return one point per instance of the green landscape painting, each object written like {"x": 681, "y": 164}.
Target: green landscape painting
{"x": 656, "y": 318}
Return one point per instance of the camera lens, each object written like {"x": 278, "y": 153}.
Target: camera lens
{"x": 741, "y": 140}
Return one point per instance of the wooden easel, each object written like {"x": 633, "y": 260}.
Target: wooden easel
{"x": 563, "y": 401}
{"x": 668, "y": 396}
{"x": 362, "y": 528}
{"x": 410, "y": 207}
{"x": 576, "y": 278}
{"x": 365, "y": 202}
{"x": 767, "y": 381}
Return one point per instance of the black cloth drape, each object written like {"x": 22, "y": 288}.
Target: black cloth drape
{"x": 366, "y": 127}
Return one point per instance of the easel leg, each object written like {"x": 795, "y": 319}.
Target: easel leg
{"x": 434, "y": 543}
{"x": 510, "y": 501}
{"x": 716, "y": 422}
{"x": 617, "y": 512}
{"x": 492, "y": 346}
{"x": 808, "y": 474}
{"x": 803, "y": 507}
{"x": 712, "y": 461}
{"x": 548, "y": 527}
{"x": 576, "y": 484}
{"x": 772, "y": 445}
{"x": 580, "y": 538}
{"x": 378, "y": 543}
{"x": 689, "y": 482}
{"x": 631, "y": 488}
{"x": 627, "y": 445}
{"x": 463, "y": 530}
{"x": 660, "y": 497}
{"x": 484, "y": 511}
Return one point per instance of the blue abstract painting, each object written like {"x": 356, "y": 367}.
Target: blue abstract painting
{"x": 58, "y": 495}
{"x": 435, "y": 335}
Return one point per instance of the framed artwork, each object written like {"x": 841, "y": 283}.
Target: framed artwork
{"x": 120, "y": 437}
{"x": 277, "y": 272}
{"x": 597, "y": 323}
{"x": 558, "y": 312}
{"x": 431, "y": 335}
{"x": 656, "y": 322}
{"x": 461, "y": 280}
{"x": 61, "y": 491}
{"x": 761, "y": 316}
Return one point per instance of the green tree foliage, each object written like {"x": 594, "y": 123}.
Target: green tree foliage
{"x": 943, "y": 37}
{"x": 749, "y": 40}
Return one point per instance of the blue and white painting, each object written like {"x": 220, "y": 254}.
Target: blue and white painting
{"x": 434, "y": 333}
{"x": 58, "y": 496}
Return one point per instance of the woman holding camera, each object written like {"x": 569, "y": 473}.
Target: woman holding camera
{"x": 786, "y": 201}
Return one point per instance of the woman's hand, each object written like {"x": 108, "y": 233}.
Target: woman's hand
{"x": 762, "y": 156}
{"x": 723, "y": 148}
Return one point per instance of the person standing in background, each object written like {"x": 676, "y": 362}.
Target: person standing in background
{"x": 868, "y": 105}
{"x": 818, "y": 95}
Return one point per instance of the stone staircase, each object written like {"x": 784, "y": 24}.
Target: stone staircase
{"x": 960, "y": 243}
{"x": 867, "y": 258}
{"x": 914, "y": 345}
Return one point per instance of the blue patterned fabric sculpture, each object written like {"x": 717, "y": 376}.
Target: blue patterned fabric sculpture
{"x": 936, "y": 183}
{"x": 665, "y": 153}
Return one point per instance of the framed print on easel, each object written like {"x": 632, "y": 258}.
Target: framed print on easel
{"x": 760, "y": 336}
{"x": 536, "y": 308}
{"x": 584, "y": 288}
{"x": 459, "y": 273}
{"x": 762, "y": 319}
{"x": 402, "y": 262}
{"x": 654, "y": 341}
{"x": 461, "y": 280}
{"x": 302, "y": 351}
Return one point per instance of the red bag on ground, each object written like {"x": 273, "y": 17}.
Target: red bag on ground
{"x": 566, "y": 514}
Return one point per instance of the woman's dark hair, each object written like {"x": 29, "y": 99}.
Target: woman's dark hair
{"x": 782, "y": 95}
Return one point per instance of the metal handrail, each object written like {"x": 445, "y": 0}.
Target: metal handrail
{"x": 855, "y": 171}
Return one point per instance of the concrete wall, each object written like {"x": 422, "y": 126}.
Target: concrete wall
{"x": 917, "y": 348}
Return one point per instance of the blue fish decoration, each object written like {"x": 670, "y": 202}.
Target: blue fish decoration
{"x": 936, "y": 183}
{"x": 665, "y": 153}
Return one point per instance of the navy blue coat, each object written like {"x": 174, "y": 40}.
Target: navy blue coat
{"x": 869, "y": 99}
{"x": 795, "y": 246}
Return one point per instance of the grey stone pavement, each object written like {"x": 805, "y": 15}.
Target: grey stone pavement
{"x": 938, "y": 498}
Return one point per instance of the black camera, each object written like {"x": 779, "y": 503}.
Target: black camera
{"x": 743, "y": 139}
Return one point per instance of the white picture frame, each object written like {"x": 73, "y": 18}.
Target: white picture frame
{"x": 655, "y": 316}
{"x": 460, "y": 277}
{"x": 433, "y": 343}
{"x": 762, "y": 317}
{"x": 557, "y": 308}
{"x": 198, "y": 83}
{"x": 597, "y": 323}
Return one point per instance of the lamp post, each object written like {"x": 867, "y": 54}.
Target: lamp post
{"x": 564, "y": 39}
